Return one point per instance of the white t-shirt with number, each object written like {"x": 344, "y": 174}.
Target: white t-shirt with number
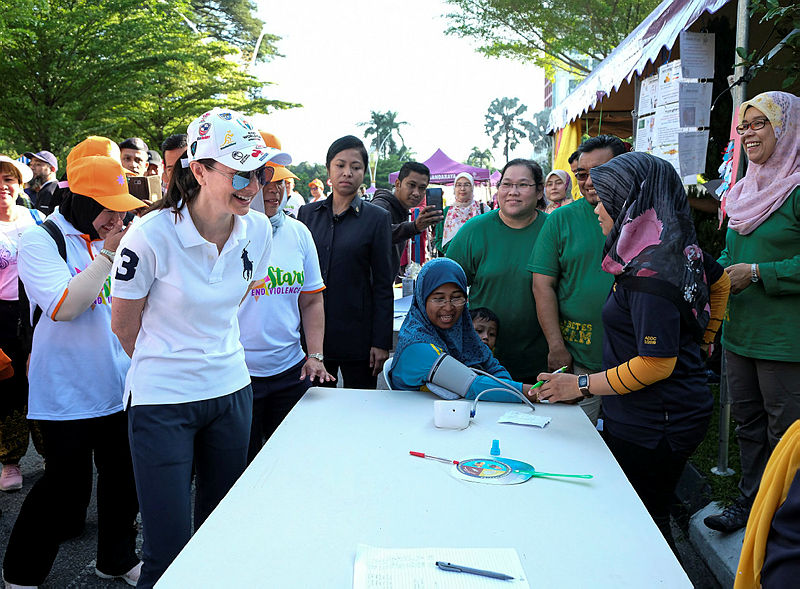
{"x": 188, "y": 346}
{"x": 10, "y": 233}
{"x": 77, "y": 367}
{"x": 269, "y": 318}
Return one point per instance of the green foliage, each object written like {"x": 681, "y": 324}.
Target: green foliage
{"x": 384, "y": 126}
{"x": 111, "y": 67}
{"x": 504, "y": 122}
{"x": 550, "y": 34}
{"x": 390, "y": 164}
{"x": 306, "y": 172}
{"x": 232, "y": 21}
{"x": 784, "y": 15}
{"x": 480, "y": 159}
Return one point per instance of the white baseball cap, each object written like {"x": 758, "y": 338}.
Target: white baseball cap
{"x": 24, "y": 171}
{"x": 229, "y": 137}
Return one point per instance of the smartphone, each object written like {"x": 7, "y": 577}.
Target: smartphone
{"x": 433, "y": 197}
{"x": 146, "y": 188}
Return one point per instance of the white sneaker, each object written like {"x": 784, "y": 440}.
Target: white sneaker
{"x": 131, "y": 577}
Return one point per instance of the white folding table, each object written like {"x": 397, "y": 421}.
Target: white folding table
{"x": 338, "y": 472}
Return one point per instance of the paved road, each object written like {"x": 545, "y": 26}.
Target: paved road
{"x": 74, "y": 566}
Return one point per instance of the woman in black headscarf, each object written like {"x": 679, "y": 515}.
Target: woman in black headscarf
{"x": 667, "y": 301}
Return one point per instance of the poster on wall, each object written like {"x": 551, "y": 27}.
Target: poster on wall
{"x": 669, "y": 78}
{"x": 692, "y": 147}
{"x": 644, "y": 134}
{"x": 648, "y": 95}
{"x": 697, "y": 55}
{"x": 695, "y": 104}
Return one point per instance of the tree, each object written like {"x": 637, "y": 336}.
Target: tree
{"x": 306, "y": 172}
{"x": 541, "y": 141}
{"x": 384, "y": 125}
{"x": 785, "y": 19}
{"x": 551, "y": 34}
{"x": 480, "y": 159}
{"x": 114, "y": 67}
{"x": 232, "y": 21}
{"x": 504, "y": 122}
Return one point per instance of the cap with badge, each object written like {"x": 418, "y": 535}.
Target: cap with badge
{"x": 317, "y": 182}
{"x": 229, "y": 138}
{"x": 45, "y": 156}
{"x": 24, "y": 171}
{"x": 102, "y": 178}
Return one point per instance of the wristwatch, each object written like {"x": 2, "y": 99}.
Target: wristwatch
{"x": 319, "y": 357}
{"x": 583, "y": 386}
{"x": 754, "y": 273}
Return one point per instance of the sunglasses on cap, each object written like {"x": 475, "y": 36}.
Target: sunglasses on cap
{"x": 241, "y": 180}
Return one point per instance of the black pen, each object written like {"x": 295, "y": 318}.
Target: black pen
{"x": 457, "y": 568}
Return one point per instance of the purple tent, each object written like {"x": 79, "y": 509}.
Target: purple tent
{"x": 444, "y": 170}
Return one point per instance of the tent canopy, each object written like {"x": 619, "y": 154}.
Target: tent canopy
{"x": 659, "y": 30}
{"x": 444, "y": 170}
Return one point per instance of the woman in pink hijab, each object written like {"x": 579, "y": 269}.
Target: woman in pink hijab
{"x": 557, "y": 190}
{"x": 762, "y": 259}
{"x": 459, "y": 213}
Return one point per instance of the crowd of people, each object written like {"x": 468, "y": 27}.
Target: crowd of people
{"x": 201, "y": 324}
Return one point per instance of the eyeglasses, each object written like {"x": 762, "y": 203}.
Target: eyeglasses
{"x": 520, "y": 185}
{"x": 754, "y": 125}
{"x": 464, "y": 185}
{"x": 456, "y": 301}
{"x": 581, "y": 176}
{"x": 240, "y": 180}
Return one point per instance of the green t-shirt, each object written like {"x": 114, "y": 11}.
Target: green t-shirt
{"x": 570, "y": 248}
{"x": 763, "y": 321}
{"x": 494, "y": 256}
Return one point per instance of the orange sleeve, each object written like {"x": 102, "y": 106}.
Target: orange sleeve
{"x": 638, "y": 372}
{"x": 718, "y": 299}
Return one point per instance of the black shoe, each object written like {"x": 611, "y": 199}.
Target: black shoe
{"x": 734, "y": 517}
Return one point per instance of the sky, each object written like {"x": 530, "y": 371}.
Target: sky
{"x": 344, "y": 58}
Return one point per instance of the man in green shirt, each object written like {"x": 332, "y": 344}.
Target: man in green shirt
{"x": 493, "y": 249}
{"x": 569, "y": 285}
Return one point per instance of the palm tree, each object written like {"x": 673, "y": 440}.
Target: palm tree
{"x": 383, "y": 125}
{"x": 480, "y": 159}
{"x": 502, "y": 119}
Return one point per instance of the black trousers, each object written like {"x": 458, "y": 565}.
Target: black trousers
{"x": 57, "y": 503}
{"x": 273, "y": 398}
{"x": 654, "y": 475}
{"x": 356, "y": 374}
{"x": 167, "y": 441}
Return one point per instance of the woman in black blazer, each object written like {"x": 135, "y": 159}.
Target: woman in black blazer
{"x": 353, "y": 240}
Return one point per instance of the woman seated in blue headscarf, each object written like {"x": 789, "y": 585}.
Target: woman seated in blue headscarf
{"x": 438, "y": 323}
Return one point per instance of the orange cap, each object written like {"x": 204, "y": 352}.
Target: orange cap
{"x": 93, "y": 145}
{"x": 317, "y": 182}
{"x": 281, "y": 172}
{"x": 102, "y": 178}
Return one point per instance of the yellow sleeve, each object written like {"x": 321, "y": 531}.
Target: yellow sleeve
{"x": 639, "y": 372}
{"x": 718, "y": 299}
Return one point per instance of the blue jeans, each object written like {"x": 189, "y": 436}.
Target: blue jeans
{"x": 166, "y": 440}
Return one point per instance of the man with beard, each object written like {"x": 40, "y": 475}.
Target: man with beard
{"x": 409, "y": 190}
{"x": 43, "y": 184}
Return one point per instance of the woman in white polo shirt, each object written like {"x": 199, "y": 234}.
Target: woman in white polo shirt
{"x": 77, "y": 373}
{"x": 290, "y": 294}
{"x": 179, "y": 277}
